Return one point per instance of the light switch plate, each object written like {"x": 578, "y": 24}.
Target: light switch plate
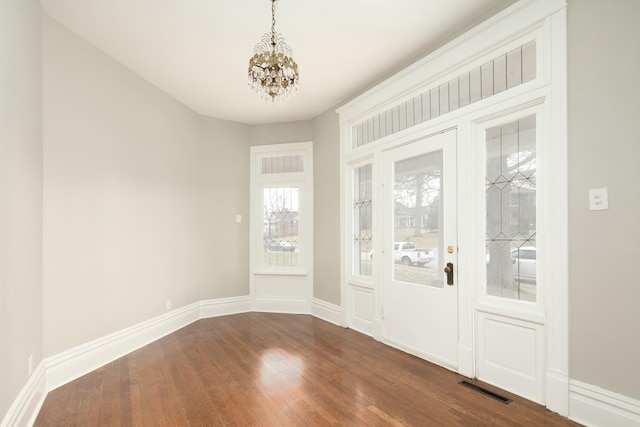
{"x": 598, "y": 199}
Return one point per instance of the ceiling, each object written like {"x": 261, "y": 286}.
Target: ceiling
{"x": 198, "y": 51}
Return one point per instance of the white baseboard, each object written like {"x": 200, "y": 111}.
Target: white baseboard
{"x": 224, "y": 306}
{"x": 362, "y": 326}
{"x": 596, "y": 407}
{"x": 25, "y": 408}
{"x": 75, "y": 362}
{"x": 557, "y": 392}
{"x": 465, "y": 360}
{"x": 326, "y": 311}
{"x": 281, "y": 305}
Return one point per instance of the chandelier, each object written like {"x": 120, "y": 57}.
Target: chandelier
{"x": 273, "y": 73}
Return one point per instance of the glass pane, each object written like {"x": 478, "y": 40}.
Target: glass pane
{"x": 475, "y": 85}
{"x": 417, "y": 109}
{"x": 487, "y": 80}
{"x": 280, "y": 226}
{"x": 402, "y": 116}
{"x": 355, "y": 139}
{"x": 435, "y": 103}
{"x": 396, "y": 119}
{"x": 383, "y": 124}
{"x": 365, "y": 133}
{"x": 454, "y": 96}
{"x": 360, "y": 136}
{"x": 282, "y": 164}
{"x": 418, "y": 220}
{"x": 376, "y": 127}
{"x": 463, "y": 83}
{"x": 511, "y": 210}
{"x": 529, "y": 61}
{"x": 370, "y": 130}
{"x": 362, "y": 209}
{"x": 410, "y": 113}
{"x": 444, "y": 98}
{"x": 500, "y": 74}
{"x": 426, "y": 106}
{"x": 514, "y": 68}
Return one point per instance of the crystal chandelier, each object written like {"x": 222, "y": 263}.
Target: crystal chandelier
{"x": 273, "y": 73}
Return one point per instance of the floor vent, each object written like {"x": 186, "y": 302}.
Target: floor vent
{"x": 485, "y": 392}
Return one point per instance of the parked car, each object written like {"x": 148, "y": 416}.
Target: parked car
{"x": 279, "y": 245}
{"x": 406, "y": 253}
{"x": 524, "y": 262}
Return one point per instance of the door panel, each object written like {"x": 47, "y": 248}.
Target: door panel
{"x": 420, "y": 308}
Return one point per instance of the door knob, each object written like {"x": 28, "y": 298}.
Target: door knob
{"x": 449, "y": 270}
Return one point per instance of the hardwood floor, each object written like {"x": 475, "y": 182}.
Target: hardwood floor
{"x": 263, "y": 369}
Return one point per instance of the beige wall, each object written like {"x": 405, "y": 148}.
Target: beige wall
{"x": 281, "y": 133}
{"x": 224, "y": 193}
{"x": 121, "y": 200}
{"x": 326, "y": 227}
{"x": 604, "y": 151}
{"x": 20, "y": 195}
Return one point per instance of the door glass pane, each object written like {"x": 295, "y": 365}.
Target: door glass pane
{"x": 511, "y": 210}
{"x": 280, "y": 226}
{"x": 362, "y": 205}
{"x": 418, "y": 220}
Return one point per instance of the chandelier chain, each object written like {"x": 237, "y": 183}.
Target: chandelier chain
{"x": 273, "y": 22}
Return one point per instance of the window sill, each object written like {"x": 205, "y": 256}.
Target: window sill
{"x": 280, "y": 272}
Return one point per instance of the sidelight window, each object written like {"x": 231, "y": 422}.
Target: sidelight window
{"x": 362, "y": 218}
{"x": 511, "y": 210}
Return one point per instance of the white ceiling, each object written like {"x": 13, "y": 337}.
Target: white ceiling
{"x": 198, "y": 50}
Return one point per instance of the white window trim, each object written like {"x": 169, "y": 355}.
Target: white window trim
{"x": 304, "y": 181}
{"x": 349, "y": 193}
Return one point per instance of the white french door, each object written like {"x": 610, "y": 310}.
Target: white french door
{"x": 419, "y": 299}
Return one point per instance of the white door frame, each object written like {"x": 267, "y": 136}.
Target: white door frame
{"x": 545, "y": 22}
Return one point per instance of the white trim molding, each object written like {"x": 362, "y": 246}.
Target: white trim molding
{"x": 594, "y": 406}
{"x": 24, "y": 410}
{"x": 290, "y": 305}
{"x": 224, "y": 306}
{"x": 326, "y": 311}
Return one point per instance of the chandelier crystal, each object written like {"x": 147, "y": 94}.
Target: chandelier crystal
{"x": 273, "y": 73}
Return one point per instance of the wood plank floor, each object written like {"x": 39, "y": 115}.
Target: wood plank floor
{"x": 263, "y": 369}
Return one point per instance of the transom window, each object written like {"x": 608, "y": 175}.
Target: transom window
{"x": 502, "y": 73}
